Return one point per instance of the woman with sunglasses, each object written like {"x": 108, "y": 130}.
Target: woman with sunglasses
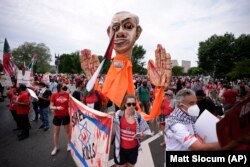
{"x": 129, "y": 127}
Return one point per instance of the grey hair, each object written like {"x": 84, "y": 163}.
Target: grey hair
{"x": 182, "y": 94}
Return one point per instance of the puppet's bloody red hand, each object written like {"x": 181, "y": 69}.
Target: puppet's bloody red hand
{"x": 89, "y": 63}
{"x": 160, "y": 73}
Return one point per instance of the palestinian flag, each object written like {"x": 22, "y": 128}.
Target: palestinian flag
{"x": 32, "y": 64}
{"x": 107, "y": 57}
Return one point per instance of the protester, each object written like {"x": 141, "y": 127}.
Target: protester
{"x": 144, "y": 96}
{"x": 167, "y": 106}
{"x": 12, "y": 95}
{"x": 78, "y": 93}
{"x": 228, "y": 98}
{"x": 129, "y": 127}
{"x": 22, "y": 109}
{"x": 60, "y": 104}
{"x": 204, "y": 102}
{"x": 44, "y": 102}
{"x": 35, "y": 102}
{"x": 94, "y": 99}
{"x": 53, "y": 85}
{"x": 180, "y": 130}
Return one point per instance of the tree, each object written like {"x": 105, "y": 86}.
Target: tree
{"x": 70, "y": 63}
{"x": 23, "y": 54}
{"x": 240, "y": 70}
{"x": 218, "y": 55}
{"x": 242, "y": 47}
{"x": 137, "y": 57}
{"x": 194, "y": 71}
{"x": 177, "y": 71}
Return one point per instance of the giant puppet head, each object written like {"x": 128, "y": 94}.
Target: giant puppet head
{"x": 127, "y": 30}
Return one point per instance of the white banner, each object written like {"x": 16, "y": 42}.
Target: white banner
{"x": 90, "y": 135}
{"x": 23, "y": 78}
{"x": 45, "y": 78}
{"x": 5, "y": 80}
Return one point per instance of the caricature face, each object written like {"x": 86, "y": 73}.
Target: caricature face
{"x": 127, "y": 31}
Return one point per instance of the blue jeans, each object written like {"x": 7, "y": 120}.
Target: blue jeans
{"x": 44, "y": 116}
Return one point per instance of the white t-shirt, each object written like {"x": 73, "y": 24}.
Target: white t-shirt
{"x": 180, "y": 137}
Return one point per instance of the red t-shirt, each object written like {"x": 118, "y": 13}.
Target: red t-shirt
{"x": 61, "y": 99}
{"x": 127, "y": 134}
{"x": 165, "y": 107}
{"x": 230, "y": 96}
{"x": 23, "y": 97}
{"x": 12, "y": 97}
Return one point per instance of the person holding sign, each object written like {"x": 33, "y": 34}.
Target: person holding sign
{"x": 129, "y": 127}
{"x": 180, "y": 130}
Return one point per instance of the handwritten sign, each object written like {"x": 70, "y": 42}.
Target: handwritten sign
{"x": 5, "y": 80}
{"x": 90, "y": 135}
{"x": 23, "y": 77}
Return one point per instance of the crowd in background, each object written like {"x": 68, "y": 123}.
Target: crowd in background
{"x": 215, "y": 95}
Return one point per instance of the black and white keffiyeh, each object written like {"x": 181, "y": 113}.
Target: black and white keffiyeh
{"x": 178, "y": 116}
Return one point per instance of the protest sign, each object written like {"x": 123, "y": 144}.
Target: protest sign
{"x": 90, "y": 135}
{"x": 235, "y": 124}
{"x": 5, "y": 80}
{"x": 23, "y": 77}
{"x": 206, "y": 127}
{"x": 32, "y": 93}
{"x": 45, "y": 78}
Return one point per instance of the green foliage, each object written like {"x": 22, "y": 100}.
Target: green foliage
{"x": 177, "y": 71}
{"x": 70, "y": 63}
{"x": 240, "y": 70}
{"x": 24, "y": 54}
{"x": 219, "y": 54}
{"x": 137, "y": 57}
{"x": 194, "y": 71}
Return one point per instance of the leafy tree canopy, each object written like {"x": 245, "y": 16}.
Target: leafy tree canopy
{"x": 218, "y": 55}
{"x": 177, "y": 71}
{"x": 23, "y": 54}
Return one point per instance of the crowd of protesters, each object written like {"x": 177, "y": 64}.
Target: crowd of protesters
{"x": 217, "y": 96}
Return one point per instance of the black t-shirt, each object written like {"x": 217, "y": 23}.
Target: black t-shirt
{"x": 77, "y": 94}
{"x": 45, "y": 103}
{"x": 208, "y": 104}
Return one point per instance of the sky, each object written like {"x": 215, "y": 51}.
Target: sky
{"x": 66, "y": 26}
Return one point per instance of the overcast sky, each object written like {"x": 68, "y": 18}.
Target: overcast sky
{"x": 66, "y": 26}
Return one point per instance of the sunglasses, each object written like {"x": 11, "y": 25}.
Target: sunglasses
{"x": 129, "y": 104}
{"x": 168, "y": 95}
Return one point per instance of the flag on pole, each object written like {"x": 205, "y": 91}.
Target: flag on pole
{"x": 107, "y": 57}
{"x": 32, "y": 64}
{"x": 109, "y": 50}
{"x": 7, "y": 64}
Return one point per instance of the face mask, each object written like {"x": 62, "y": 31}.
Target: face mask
{"x": 193, "y": 110}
